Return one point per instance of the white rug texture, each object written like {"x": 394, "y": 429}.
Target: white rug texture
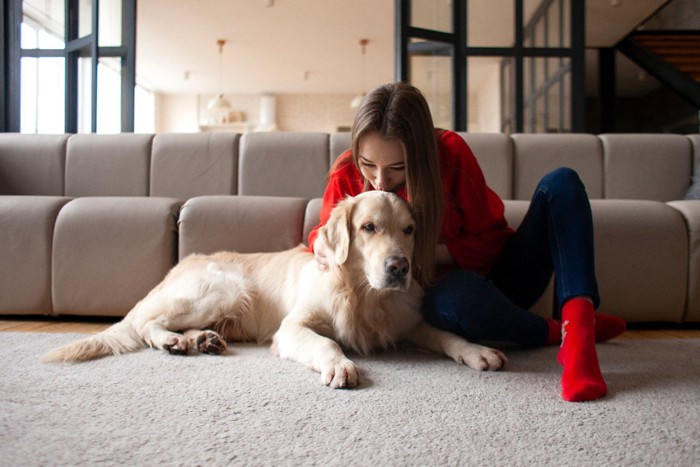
{"x": 248, "y": 407}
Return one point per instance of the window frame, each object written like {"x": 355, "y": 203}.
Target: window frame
{"x": 515, "y": 56}
{"x": 74, "y": 48}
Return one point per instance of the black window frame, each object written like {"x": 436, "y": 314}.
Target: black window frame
{"x": 74, "y": 48}
{"x": 460, "y": 51}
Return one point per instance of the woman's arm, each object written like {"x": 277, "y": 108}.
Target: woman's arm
{"x": 474, "y": 228}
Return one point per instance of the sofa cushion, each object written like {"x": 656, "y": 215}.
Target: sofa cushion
{"x": 691, "y": 213}
{"x": 535, "y": 155}
{"x": 649, "y": 287}
{"x": 283, "y": 164}
{"x": 109, "y": 252}
{"x": 247, "y": 224}
{"x": 32, "y": 164}
{"x": 108, "y": 165}
{"x": 187, "y": 165}
{"x": 646, "y": 166}
{"x": 640, "y": 252}
{"x": 694, "y": 189}
{"x": 311, "y": 218}
{"x": 26, "y": 230}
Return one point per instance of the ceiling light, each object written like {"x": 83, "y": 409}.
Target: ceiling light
{"x": 220, "y": 104}
{"x": 357, "y": 100}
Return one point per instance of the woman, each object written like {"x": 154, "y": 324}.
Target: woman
{"x": 488, "y": 274}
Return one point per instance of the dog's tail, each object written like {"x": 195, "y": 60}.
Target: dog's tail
{"x": 117, "y": 339}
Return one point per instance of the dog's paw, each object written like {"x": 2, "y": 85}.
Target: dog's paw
{"x": 211, "y": 343}
{"x": 176, "y": 345}
{"x": 340, "y": 374}
{"x": 482, "y": 358}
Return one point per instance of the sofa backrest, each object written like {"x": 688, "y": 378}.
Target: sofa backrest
{"x": 695, "y": 143}
{"x": 647, "y": 166}
{"x": 32, "y": 164}
{"x": 283, "y": 164}
{"x": 535, "y": 155}
{"x": 494, "y": 152}
{"x": 108, "y": 165}
{"x": 340, "y": 142}
{"x": 188, "y": 165}
{"x": 615, "y": 166}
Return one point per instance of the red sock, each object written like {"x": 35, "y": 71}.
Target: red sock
{"x": 554, "y": 335}
{"x": 581, "y": 379}
{"x": 606, "y": 327}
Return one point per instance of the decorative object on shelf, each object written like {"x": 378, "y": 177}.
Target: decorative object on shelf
{"x": 268, "y": 113}
{"x": 357, "y": 100}
{"x": 220, "y": 107}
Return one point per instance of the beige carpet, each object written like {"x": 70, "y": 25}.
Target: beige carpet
{"x": 250, "y": 408}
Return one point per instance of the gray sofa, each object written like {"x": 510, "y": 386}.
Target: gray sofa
{"x": 90, "y": 223}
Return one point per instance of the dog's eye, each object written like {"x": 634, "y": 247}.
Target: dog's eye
{"x": 368, "y": 227}
{"x": 408, "y": 230}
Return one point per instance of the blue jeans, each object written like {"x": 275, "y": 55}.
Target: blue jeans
{"x": 555, "y": 236}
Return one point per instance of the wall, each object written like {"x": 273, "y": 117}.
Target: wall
{"x": 319, "y": 112}
{"x": 176, "y": 113}
{"x": 308, "y": 112}
{"x": 485, "y": 104}
{"x": 295, "y": 112}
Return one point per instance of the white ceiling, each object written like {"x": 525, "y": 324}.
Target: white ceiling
{"x": 304, "y": 46}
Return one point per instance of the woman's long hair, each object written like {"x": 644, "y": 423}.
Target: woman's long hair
{"x": 399, "y": 112}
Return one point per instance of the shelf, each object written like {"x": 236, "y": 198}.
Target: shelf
{"x": 242, "y": 127}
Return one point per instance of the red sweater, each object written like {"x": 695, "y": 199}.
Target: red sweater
{"x": 474, "y": 227}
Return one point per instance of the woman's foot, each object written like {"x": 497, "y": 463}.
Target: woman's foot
{"x": 606, "y": 327}
{"x": 581, "y": 379}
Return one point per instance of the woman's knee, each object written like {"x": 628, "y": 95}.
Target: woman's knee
{"x": 563, "y": 181}
{"x": 565, "y": 176}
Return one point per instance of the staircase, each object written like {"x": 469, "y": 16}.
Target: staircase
{"x": 679, "y": 48}
{"x": 672, "y": 57}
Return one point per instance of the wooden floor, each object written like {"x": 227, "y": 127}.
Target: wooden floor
{"x": 28, "y": 324}
{"x": 41, "y": 324}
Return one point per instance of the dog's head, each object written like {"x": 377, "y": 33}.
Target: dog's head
{"x": 373, "y": 233}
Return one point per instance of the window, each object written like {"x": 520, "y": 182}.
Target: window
{"x": 501, "y": 65}
{"x": 71, "y": 65}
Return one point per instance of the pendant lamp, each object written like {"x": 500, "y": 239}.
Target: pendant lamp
{"x": 357, "y": 100}
{"x": 220, "y": 104}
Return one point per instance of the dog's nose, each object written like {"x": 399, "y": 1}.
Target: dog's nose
{"x": 397, "y": 266}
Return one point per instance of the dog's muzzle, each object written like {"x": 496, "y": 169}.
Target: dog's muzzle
{"x": 397, "y": 269}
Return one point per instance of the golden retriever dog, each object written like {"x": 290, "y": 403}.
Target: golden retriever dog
{"x": 366, "y": 300}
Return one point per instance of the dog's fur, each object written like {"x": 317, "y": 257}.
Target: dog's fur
{"x": 366, "y": 300}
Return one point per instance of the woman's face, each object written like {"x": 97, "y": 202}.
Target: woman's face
{"x": 382, "y": 162}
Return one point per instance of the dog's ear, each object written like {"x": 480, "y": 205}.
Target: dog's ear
{"x": 336, "y": 232}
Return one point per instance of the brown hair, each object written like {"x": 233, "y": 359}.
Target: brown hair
{"x": 399, "y": 112}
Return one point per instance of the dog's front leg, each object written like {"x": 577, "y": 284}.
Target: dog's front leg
{"x": 295, "y": 341}
{"x": 459, "y": 349}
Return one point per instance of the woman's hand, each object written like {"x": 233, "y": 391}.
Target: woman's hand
{"x": 321, "y": 254}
